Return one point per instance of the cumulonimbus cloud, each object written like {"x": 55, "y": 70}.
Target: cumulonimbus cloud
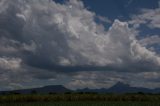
{"x": 67, "y": 35}
{"x": 47, "y": 35}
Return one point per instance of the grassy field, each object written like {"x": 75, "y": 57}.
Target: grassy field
{"x": 80, "y": 100}
{"x": 83, "y": 104}
{"x": 78, "y": 97}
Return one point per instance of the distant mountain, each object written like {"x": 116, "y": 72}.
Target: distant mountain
{"x": 121, "y": 88}
{"x": 101, "y": 90}
{"x": 117, "y": 88}
{"x": 125, "y": 88}
{"x": 45, "y": 89}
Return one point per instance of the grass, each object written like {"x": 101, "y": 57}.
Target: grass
{"x": 78, "y": 97}
{"x": 83, "y": 104}
{"x": 74, "y": 99}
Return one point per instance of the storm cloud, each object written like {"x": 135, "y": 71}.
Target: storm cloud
{"x": 42, "y": 39}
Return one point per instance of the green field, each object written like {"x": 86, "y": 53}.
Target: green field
{"x": 83, "y": 104}
{"x": 75, "y": 99}
{"x": 78, "y": 97}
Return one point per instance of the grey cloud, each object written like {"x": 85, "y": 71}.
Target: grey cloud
{"x": 10, "y": 63}
{"x": 51, "y": 38}
{"x": 151, "y": 40}
{"x": 148, "y": 17}
{"x": 52, "y": 29}
{"x": 104, "y": 19}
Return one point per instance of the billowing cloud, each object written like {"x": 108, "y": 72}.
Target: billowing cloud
{"x": 43, "y": 38}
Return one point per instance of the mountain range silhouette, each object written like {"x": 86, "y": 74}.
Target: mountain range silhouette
{"x": 119, "y": 87}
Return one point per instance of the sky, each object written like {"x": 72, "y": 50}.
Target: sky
{"x": 79, "y": 43}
